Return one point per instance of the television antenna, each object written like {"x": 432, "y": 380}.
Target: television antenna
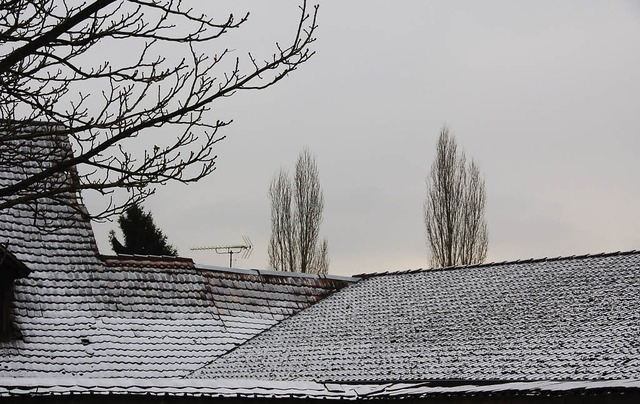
{"x": 245, "y": 249}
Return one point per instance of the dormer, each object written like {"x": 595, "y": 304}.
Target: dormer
{"x": 11, "y": 269}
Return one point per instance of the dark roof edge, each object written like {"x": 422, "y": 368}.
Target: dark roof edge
{"x": 265, "y": 272}
{"x": 32, "y": 387}
{"x": 491, "y": 264}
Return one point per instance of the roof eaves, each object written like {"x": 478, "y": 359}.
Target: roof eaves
{"x": 240, "y": 388}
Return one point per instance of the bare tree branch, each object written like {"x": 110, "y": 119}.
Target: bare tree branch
{"x": 57, "y": 81}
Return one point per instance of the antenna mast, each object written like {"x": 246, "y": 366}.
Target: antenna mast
{"x": 245, "y": 249}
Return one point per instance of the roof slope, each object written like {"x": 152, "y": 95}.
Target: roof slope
{"x": 49, "y": 232}
{"x": 145, "y": 319}
{"x": 80, "y": 314}
{"x": 562, "y": 319}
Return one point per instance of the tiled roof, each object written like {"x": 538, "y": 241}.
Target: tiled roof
{"x": 81, "y": 314}
{"x": 48, "y": 232}
{"x": 143, "y": 325}
{"x": 154, "y": 321}
{"x": 575, "y": 318}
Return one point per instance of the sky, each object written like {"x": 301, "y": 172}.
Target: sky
{"x": 544, "y": 95}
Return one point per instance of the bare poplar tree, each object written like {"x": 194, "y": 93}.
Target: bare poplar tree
{"x": 103, "y": 72}
{"x": 283, "y": 246}
{"x": 296, "y": 215}
{"x": 454, "y": 208}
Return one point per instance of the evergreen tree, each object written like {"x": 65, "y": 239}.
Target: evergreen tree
{"x": 141, "y": 236}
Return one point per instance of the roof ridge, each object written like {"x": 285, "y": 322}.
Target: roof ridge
{"x": 141, "y": 260}
{"x": 268, "y": 272}
{"x": 490, "y": 264}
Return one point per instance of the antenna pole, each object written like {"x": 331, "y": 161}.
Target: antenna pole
{"x": 247, "y": 247}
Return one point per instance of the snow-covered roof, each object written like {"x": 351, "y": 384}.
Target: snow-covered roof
{"x": 565, "y": 319}
{"x": 85, "y": 315}
{"x": 164, "y": 326}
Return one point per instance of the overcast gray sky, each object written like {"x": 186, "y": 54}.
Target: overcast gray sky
{"x": 544, "y": 95}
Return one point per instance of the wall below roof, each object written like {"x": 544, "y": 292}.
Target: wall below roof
{"x": 223, "y": 391}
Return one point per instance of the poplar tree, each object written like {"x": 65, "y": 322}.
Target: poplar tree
{"x": 296, "y": 214}
{"x": 454, "y": 208}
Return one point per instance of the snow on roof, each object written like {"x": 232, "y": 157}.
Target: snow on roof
{"x": 49, "y": 231}
{"x": 85, "y": 315}
{"x": 148, "y": 325}
{"x": 570, "y": 319}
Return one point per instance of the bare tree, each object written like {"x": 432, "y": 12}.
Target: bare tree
{"x": 454, "y": 208}
{"x": 283, "y": 246}
{"x": 296, "y": 215}
{"x": 100, "y": 73}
